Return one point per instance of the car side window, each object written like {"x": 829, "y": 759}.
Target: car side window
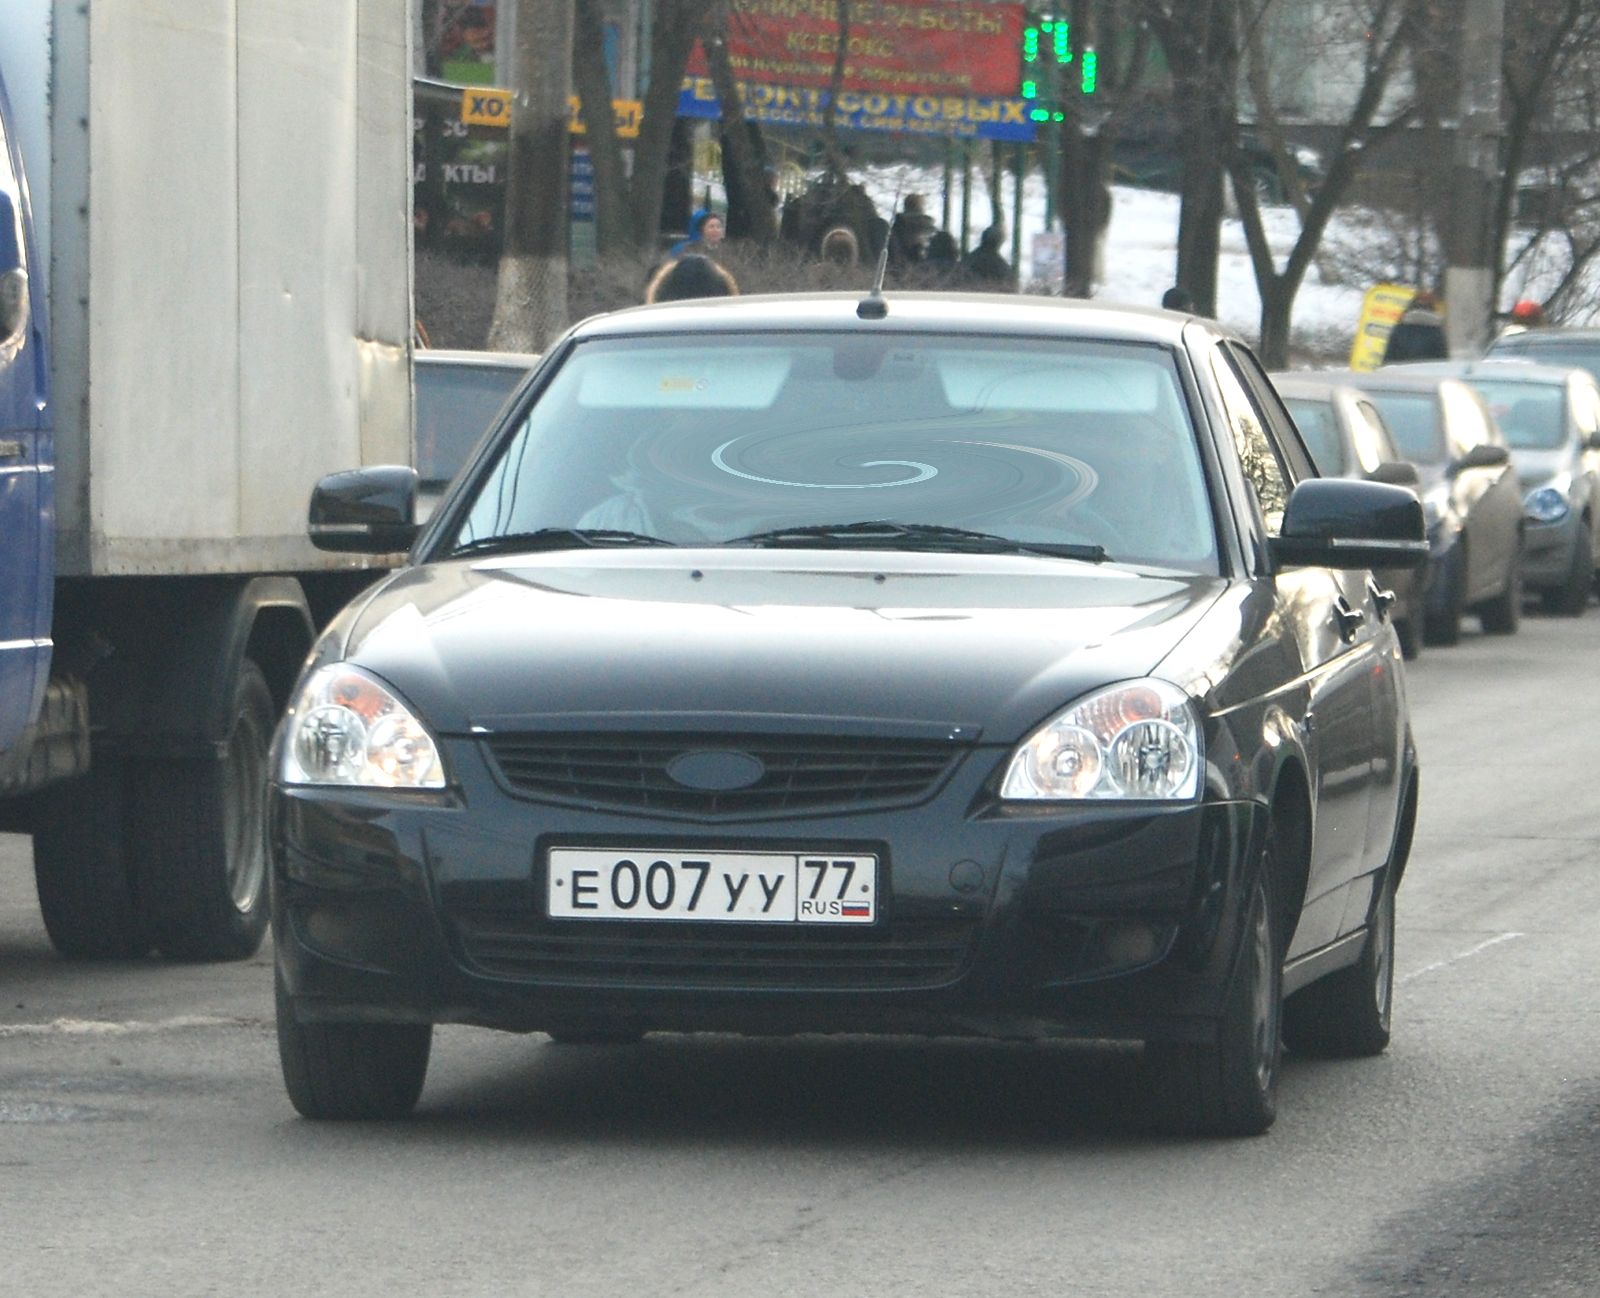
{"x": 1258, "y": 456}
{"x": 1467, "y": 420}
{"x": 1280, "y": 425}
{"x": 1586, "y": 407}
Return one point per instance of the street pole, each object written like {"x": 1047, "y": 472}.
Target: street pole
{"x": 1469, "y": 277}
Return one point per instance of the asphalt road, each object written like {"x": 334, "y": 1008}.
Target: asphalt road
{"x": 146, "y": 1146}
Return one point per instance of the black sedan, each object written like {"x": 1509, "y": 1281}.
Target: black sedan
{"x": 821, "y": 664}
{"x": 1470, "y": 497}
{"x": 1347, "y": 438}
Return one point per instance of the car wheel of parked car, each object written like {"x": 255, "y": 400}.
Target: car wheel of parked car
{"x": 86, "y": 888}
{"x": 1346, "y": 1015}
{"x": 351, "y": 1071}
{"x": 1571, "y": 598}
{"x": 1442, "y": 626}
{"x": 1410, "y": 637}
{"x": 1229, "y": 1086}
{"x": 200, "y": 829}
{"x": 1501, "y": 614}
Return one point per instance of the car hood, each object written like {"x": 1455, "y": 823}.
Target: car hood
{"x": 1537, "y": 467}
{"x": 767, "y": 638}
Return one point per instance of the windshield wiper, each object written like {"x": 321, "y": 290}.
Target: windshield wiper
{"x": 882, "y": 532}
{"x": 555, "y": 538}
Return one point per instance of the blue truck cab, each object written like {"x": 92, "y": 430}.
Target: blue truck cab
{"x": 27, "y": 491}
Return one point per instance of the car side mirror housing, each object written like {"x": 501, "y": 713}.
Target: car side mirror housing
{"x": 1485, "y": 455}
{"x": 1592, "y": 442}
{"x": 365, "y": 511}
{"x": 1397, "y": 473}
{"x": 1344, "y": 523}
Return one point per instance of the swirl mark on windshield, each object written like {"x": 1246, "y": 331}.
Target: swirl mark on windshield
{"x": 924, "y": 472}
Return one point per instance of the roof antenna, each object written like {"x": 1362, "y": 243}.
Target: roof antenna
{"x": 873, "y": 306}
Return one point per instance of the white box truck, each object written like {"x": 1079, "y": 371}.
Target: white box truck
{"x": 205, "y": 305}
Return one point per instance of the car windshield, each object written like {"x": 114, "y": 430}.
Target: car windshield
{"x": 1413, "y": 419}
{"x": 790, "y": 439}
{"x": 1319, "y": 429}
{"x": 1533, "y": 416}
{"x": 1552, "y": 349}
{"x": 455, "y": 405}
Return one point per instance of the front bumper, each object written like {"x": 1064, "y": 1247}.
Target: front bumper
{"x": 1116, "y": 921}
{"x": 1547, "y": 552}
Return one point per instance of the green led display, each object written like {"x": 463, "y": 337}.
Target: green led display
{"x": 1091, "y": 72}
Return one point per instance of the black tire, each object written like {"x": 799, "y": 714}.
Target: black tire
{"x": 1502, "y": 614}
{"x": 87, "y": 891}
{"x": 1571, "y": 598}
{"x": 1443, "y": 626}
{"x": 1229, "y": 1086}
{"x": 1347, "y": 1014}
{"x": 351, "y": 1071}
{"x": 1410, "y": 637}
{"x": 200, "y": 830}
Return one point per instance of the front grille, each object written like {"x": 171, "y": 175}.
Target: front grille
{"x": 594, "y": 953}
{"x": 803, "y": 773}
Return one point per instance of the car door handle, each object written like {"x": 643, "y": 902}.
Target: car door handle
{"x": 1349, "y": 620}
{"x": 1383, "y": 600}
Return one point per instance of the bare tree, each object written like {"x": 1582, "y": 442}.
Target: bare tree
{"x": 1379, "y": 29}
{"x": 531, "y": 290}
{"x": 628, "y": 211}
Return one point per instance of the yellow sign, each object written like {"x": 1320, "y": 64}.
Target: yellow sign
{"x": 482, "y": 106}
{"x": 1381, "y": 310}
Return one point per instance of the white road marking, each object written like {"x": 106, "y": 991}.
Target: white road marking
{"x": 100, "y": 1028}
{"x": 1483, "y": 946}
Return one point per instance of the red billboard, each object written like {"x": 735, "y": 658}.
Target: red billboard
{"x": 904, "y": 47}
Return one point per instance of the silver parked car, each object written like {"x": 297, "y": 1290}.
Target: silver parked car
{"x": 1348, "y": 438}
{"x": 1550, "y": 417}
{"x": 458, "y": 395}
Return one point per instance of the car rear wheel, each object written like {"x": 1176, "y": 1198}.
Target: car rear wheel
{"x": 1410, "y": 637}
{"x": 1501, "y": 614}
{"x": 1571, "y": 598}
{"x": 351, "y": 1071}
{"x": 1442, "y": 625}
{"x": 1347, "y": 1014}
{"x": 1229, "y": 1086}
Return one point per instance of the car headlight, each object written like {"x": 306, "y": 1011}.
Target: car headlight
{"x": 1547, "y": 504}
{"x": 1134, "y": 740}
{"x": 348, "y": 729}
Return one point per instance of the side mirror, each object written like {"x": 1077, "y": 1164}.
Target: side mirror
{"x": 365, "y": 511}
{"x": 1485, "y": 455}
{"x": 1592, "y": 442}
{"x": 1397, "y": 473}
{"x": 1341, "y": 523}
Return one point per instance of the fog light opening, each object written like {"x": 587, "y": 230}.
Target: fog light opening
{"x": 1128, "y": 944}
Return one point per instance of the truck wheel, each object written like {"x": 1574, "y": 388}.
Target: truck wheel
{"x": 1229, "y": 1086}
{"x": 200, "y": 831}
{"x": 351, "y": 1070}
{"x": 86, "y": 884}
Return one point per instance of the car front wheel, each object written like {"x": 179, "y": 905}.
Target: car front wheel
{"x": 346, "y": 1071}
{"x": 1347, "y": 1014}
{"x": 1229, "y": 1086}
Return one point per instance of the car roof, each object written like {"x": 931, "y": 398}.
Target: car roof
{"x": 977, "y": 313}
{"x": 1554, "y": 334}
{"x": 500, "y": 360}
{"x": 1313, "y": 384}
{"x": 1500, "y": 370}
{"x": 1399, "y": 378}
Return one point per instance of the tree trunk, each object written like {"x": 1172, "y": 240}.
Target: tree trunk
{"x": 672, "y": 37}
{"x": 595, "y": 93}
{"x": 531, "y": 295}
{"x": 742, "y": 172}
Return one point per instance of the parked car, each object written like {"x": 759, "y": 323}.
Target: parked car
{"x": 1470, "y": 497}
{"x": 1347, "y": 438}
{"x": 1550, "y": 345}
{"x": 458, "y": 395}
{"x": 1550, "y": 418}
{"x": 935, "y": 664}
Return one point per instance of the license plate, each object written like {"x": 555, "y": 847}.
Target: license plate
{"x": 747, "y": 887}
